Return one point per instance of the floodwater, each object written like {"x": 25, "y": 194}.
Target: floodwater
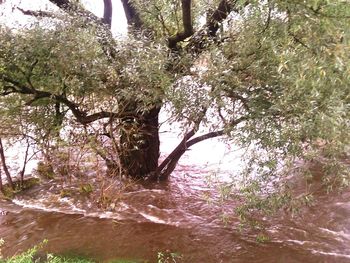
{"x": 182, "y": 216}
{"x": 179, "y": 217}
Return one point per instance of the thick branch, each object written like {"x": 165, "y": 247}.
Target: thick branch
{"x": 25, "y": 162}
{"x": 214, "y": 134}
{"x": 200, "y": 39}
{"x": 63, "y": 4}
{"x": 72, "y": 8}
{"x": 187, "y": 25}
{"x": 80, "y": 115}
{"x": 220, "y": 14}
{"x": 107, "y": 14}
{"x": 181, "y": 147}
{"x": 168, "y": 165}
{"x": 37, "y": 13}
{"x": 131, "y": 14}
{"x": 104, "y": 34}
{"x": 205, "y": 137}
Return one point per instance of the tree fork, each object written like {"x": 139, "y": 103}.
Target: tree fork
{"x": 168, "y": 165}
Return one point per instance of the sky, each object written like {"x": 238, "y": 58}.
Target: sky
{"x": 10, "y": 15}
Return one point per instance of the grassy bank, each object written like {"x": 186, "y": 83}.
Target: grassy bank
{"x": 33, "y": 256}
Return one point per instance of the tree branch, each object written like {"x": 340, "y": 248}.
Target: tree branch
{"x": 233, "y": 95}
{"x": 72, "y": 8}
{"x": 168, "y": 165}
{"x": 131, "y": 14}
{"x": 187, "y": 25}
{"x": 181, "y": 147}
{"x": 224, "y": 8}
{"x": 37, "y": 13}
{"x": 104, "y": 34}
{"x": 209, "y": 30}
{"x": 107, "y": 13}
{"x": 161, "y": 19}
{"x": 80, "y": 115}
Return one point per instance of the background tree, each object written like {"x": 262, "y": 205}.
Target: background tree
{"x": 273, "y": 74}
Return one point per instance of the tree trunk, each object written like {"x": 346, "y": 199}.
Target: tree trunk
{"x": 139, "y": 142}
{"x": 1, "y": 187}
{"x": 4, "y": 166}
{"x": 25, "y": 162}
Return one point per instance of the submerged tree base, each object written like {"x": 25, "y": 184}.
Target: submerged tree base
{"x": 19, "y": 186}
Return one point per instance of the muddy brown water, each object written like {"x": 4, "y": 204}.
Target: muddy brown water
{"x": 175, "y": 217}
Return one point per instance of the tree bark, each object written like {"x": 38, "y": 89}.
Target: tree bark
{"x": 139, "y": 144}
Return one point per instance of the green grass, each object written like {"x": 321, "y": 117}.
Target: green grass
{"x": 49, "y": 258}
{"x": 32, "y": 256}
{"x": 24, "y": 258}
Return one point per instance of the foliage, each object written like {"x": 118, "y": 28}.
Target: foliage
{"x": 31, "y": 255}
{"x": 25, "y": 257}
{"x": 261, "y": 238}
{"x": 86, "y": 189}
{"x": 2, "y": 242}
{"x": 9, "y": 193}
{"x": 28, "y": 257}
{"x": 57, "y": 60}
{"x": 45, "y": 170}
{"x": 168, "y": 257}
{"x": 66, "y": 193}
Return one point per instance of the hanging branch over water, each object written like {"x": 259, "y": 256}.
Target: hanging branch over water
{"x": 169, "y": 164}
{"x": 80, "y": 115}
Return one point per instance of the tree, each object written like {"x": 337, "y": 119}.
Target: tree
{"x": 4, "y": 166}
{"x": 273, "y": 74}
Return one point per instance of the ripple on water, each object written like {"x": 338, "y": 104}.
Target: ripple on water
{"x": 175, "y": 216}
{"x": 333, "y": 254}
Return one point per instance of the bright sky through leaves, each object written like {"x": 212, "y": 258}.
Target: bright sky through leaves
{"x": 10, "y": 15}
